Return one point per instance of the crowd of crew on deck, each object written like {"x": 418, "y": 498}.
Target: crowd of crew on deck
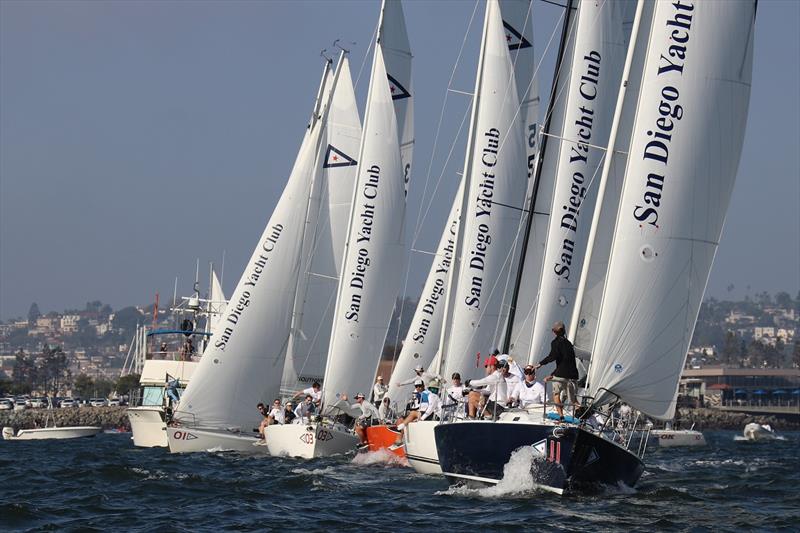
{"x": 505, "y": 385}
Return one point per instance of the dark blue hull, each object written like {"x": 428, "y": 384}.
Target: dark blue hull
{"x": 569, "y": 457}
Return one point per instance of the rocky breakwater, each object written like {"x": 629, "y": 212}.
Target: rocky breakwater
{"x": 105, "y": 417}
{"x": 716, "y": 419}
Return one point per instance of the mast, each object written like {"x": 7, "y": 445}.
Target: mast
{"x": 537, "y": 179}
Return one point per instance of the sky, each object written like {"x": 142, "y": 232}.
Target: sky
{"x": 137, "y": 138}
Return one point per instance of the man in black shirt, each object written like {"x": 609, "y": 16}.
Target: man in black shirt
{"x": 566, "y": 372}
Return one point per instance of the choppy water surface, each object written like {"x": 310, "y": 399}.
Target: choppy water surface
{"x": 105, "y": 484}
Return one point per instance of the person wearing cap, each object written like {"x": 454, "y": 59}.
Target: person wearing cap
{"x": 430, "y": 408}
{"x": 379, "y": 390}
{"x": 364, "y": 412}
{"x": 496, "y": 388}
{"x": 529, "y": 391}
{"x": 454, "y": 395}
{"x": 566, "y": 373}
{"x": 419, "y": 370}
{"x": 490, "y": 363}
{"x": 288, "y": 413}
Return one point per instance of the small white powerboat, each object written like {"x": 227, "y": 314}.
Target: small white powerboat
{"x": 72, "y": 432}
{"x": 757, "y": 432}
{"x": 50, "y": 431}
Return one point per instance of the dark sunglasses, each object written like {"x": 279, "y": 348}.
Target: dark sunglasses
{"x": 528, "y": 371}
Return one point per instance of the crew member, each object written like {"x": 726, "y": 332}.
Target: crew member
{"x": 566, "y": 372}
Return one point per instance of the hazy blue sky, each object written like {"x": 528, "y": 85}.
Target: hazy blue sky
{"x": 137, "y": 136}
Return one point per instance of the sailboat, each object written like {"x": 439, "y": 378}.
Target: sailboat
{"x": 374, "y": 250}
{"x": 498, "y": 173}
{"x": 679, "y": 124}
{"x": 244, "y": 364}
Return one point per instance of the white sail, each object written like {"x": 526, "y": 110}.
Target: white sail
{"x": 217, "y": 303}
{"x": 683, "y": 157}
{"x": 328, "y": 212}
{"x": 541, "y": 194}
{"x": 595, "y": 69}
{"x": 495, "y": 192}
{"x": 424, "y": 332}
{"x": 374, "y": 256}
{"x": 396, "y": 51}
{"x": 518, "y": 26}
{"x": 243, "y": 364}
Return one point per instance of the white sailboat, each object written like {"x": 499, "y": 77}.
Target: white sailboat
{"x": 244, "y": 364}
{"x": 492, "y": 205}
{"x": 681, "y": 130}
{"x": 323, "y": 248}
{"x": 373, "y": 257}
{"x": 486, "y": 245}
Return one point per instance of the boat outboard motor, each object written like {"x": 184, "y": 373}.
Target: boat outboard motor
{"x": 8, "y": 433}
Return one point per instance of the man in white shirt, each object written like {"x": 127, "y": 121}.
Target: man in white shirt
{"x": 496, "y": 389}
{"x": 315, "y": 391}
{"x": 419, "y": 370}
{"x": 529, "y": 392}
{"x": 379, "y": 390}
{"x": 453, "y": 397}
{"x": 276, "y": 413}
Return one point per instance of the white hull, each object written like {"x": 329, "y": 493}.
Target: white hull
{"x": 755, "y": 432}
{"x": 187, "y": 440}
{"x": 421, "y": 447}
{"x": 309, "y": 440}
{"x": 669, "y": 438}
{"x": 148, "y": 427}
{"x": 52, "y": 433}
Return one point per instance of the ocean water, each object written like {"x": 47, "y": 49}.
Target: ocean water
{"x": 106, "y": 484}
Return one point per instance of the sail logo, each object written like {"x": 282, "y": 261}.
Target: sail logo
{"x": 396, "y": 88}
{"x": 514, "y": 38}
{"x": 335, "y": 158}
{"x": 670, "y": 113}
{"x": 183, "y": 435}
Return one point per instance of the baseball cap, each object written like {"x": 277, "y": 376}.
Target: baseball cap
{"x": 419, "y": 368}
{"x": 419, "y": 383}
{"x": 359, "y": 395}
{"x": 490, "y": 361}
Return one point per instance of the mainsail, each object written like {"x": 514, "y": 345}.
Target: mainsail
{"x": 244, "y": 362}
{"x": 684, "y": 150}
{"x": 374, "y": 255}
{"x": 493, "y": 199}
{"x": 595, "y": 67}
{"x": 323, "y": 247}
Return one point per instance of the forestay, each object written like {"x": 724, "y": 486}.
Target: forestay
{"x": 323, "y": 246}
{"x": 243, "y": 364}
{"x": 684, "y": 151}
{"x": 495, "y": 192}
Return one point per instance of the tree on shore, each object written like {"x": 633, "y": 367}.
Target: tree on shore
{"x": 33, "y": 314}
